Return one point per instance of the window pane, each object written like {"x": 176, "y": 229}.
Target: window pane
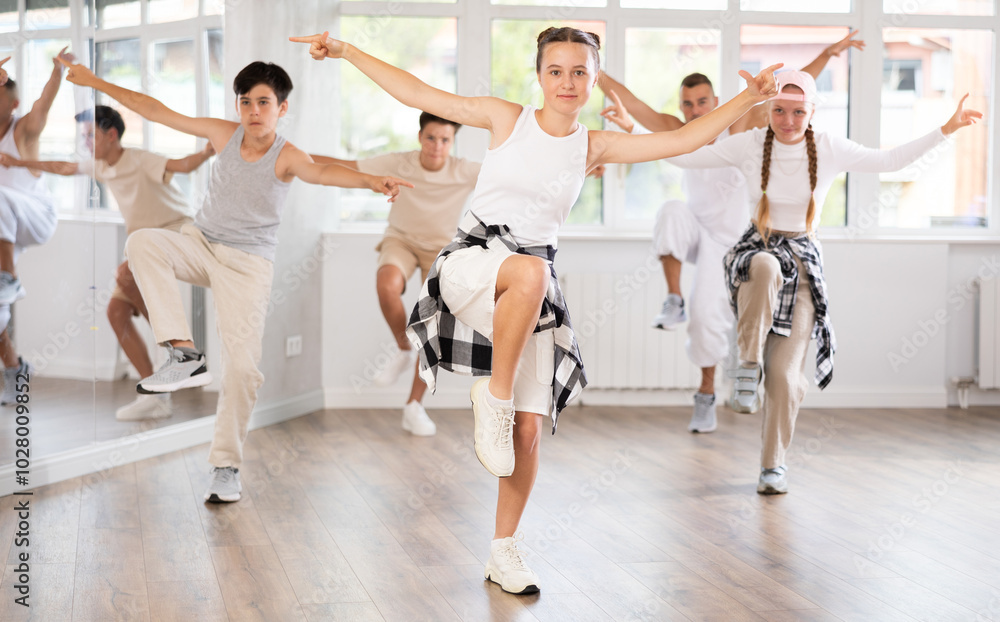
{"x": 58, "y": 140}
{"x": 46, "y": 14}
{"x": 569, "y": 4}
{"x": 513, "y": 47}
{"x": 371, "y": 121}
{"x": 118, "y": 62}
{"x": 172, "y": 82}
{"x": 215, "y": 7}
{"x": 216, "y": 88}
{"x": 8, "y": 17}
{"x": 925, "y": 73}
{"x": 796, "y": 46}
{"x": 668, "y": 55}
{"x": 694, "y": 5}
{"x": 118, "y": 13}
{"x": 798, "y": 6}
{"x": 939, "y": 7}
{"x": 172, "y": 10}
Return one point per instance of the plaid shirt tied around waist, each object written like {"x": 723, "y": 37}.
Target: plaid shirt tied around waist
{"x": 737, "y": 264}
{"x": 441, "y": 340}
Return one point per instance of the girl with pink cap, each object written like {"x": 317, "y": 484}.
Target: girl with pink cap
{"x": 775, "y": 271}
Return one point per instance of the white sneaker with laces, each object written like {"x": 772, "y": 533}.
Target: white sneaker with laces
{"x": 416, "y": 421}
{"x": 494, "y": 432}
{"x": 11, "y": 289}
{"x": 225, "y": 487}
{"x": 181, "y": 371}
{"x": 146, "y": 407}
{"x": 672, "y": 313}
{"x": 703, "y": 420}
{"x": 506, "y": 567}
{"x": 403, "y": 360}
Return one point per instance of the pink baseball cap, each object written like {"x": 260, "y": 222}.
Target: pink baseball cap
{"x": 800, "y": 79}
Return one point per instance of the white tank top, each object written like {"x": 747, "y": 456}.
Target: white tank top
{"x": 531, "y": 181}
{"x": 18, "y": 177}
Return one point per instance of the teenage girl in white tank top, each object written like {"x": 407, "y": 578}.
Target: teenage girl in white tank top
{"x": 514, "y": 192}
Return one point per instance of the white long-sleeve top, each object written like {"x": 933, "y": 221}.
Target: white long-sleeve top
{"x": 788, "y": 184}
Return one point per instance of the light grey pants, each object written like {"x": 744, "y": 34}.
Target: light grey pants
{"x": 782, "y": 358}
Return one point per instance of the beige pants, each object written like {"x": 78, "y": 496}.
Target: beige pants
{"x": 241, "y": 286}
{"x": 783, "y": 358}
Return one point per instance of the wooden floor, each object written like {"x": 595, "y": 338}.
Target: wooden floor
{"x": 892, "y": 515}
{"x": 69, "y": 414}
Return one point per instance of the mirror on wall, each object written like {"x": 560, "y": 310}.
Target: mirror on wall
{"x": 81, "y": 376}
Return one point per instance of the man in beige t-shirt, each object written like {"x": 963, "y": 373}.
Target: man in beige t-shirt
{"x": 142, "y": 184}
{"x": 421, "y": 222}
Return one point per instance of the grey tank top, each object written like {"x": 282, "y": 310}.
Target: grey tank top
{"x": 242, "y": 208}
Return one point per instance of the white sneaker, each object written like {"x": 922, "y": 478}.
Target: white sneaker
{"x": 494, "y": 433}
{"x": 11, "y": 289}
{"x": 773, "y": 481}
{"x": 416, "y": 421}
{"x": 15, "y": 378}
{"x": 184, "y": 369}
{"x": 146, "y": 407}
{"x": 703, "y": 420}
{"x": 506, "y": 566}
{"x": 403, "y": 360}
{"x": 672, "y": 313}
{"x": 225, "y": 486}
{"x": 746, "y": 389}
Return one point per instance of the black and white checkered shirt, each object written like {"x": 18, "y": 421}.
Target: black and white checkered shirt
{"x": 737, "y": 263}
{"x": 443, "y": 341}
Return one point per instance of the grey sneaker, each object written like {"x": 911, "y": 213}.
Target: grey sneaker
{"x": 773, "y": 481}
{"x": 746, "y": 385}
{"x": 506, "y": 566}
{"x": 703, "y": 419}
{"x": 11, "y": 381}
{"x": 10, "y": 288}
{"x": 494, "y": 432}
{"x": 225, "y": 486}
{"x": 672, "y": 313}
{"x": 185, "y": 368}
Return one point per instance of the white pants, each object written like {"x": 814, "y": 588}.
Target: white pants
{"x": 679, "y": 233}
{"x": 468, "y": 286}
{"x": 25, "y": 219}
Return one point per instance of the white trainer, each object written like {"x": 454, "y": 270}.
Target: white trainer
{"x": 494, "y": 433}
{"x": 506, "y": 567}
{"x": 416, "y": 421}
{"x": 225, "y": 486}
{"x": 403, "y": 360}
{"x": 183, "y": 370}
{"x": 153, "y": 406}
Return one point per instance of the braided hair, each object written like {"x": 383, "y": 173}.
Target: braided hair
{"x": 763, "y": 217}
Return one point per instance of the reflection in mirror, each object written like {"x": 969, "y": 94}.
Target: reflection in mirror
{"x": 106, "y": 173}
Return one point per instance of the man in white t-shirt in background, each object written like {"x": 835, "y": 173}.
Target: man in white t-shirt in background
{"x": 142, "y": 184}
{"x": 421, "y": 222}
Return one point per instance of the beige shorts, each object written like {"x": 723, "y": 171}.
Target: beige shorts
{"x": 468, "y": 286}
{"x": 407, "y": 257}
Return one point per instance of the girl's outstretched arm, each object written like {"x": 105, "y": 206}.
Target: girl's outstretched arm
{"x": 484, "y": 112}
{"x": 607, "y": 147}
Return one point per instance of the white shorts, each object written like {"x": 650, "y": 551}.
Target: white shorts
{"x": 468, "y": 281}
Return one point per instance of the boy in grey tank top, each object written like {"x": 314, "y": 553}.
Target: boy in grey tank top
{"x": 230, "y": 248}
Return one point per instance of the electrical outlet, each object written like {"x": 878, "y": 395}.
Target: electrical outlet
{"x": 293, "y": 346}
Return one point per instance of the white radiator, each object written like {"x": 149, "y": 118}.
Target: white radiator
{"x": 612, "y": 316}
{"x": 989, "y": 335}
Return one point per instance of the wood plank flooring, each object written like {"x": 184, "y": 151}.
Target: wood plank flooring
{"x": 892, "y": 515}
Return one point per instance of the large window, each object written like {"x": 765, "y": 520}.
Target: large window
{"x": 921, "y": 57}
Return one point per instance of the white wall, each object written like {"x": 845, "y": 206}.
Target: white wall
{"x": 882, "y": 293}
